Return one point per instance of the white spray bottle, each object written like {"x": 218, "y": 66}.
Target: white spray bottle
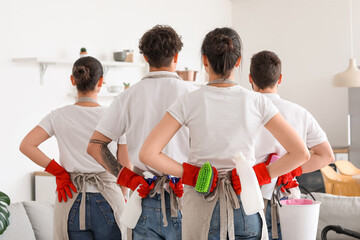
{"x": 132, "y": 212}
{"x": 251, "y": 196}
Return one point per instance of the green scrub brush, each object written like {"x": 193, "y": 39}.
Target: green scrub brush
{"x": 205, "y": 179}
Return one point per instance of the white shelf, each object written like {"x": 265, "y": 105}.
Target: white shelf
{"x": 45, "y": 62}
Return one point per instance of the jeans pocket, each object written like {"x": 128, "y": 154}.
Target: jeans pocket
{"x": 177, "y": 228}
{"x": 106, "y": 210}
{"x": 253, "y": 225}
{"x": 74, "y": 210}
{"x": 215, "y": 220}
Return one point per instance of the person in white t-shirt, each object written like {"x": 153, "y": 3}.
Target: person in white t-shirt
{"x": 134, "y": 113}
{"x": 223, "y": 119}
{"x": 83, "y": 187}
{"x": 265, "y": 76}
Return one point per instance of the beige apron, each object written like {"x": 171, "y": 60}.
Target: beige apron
{"x": 198, "y": 210}
{"x": 106, "y": 183}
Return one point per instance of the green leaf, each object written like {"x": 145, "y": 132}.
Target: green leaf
{"x": 4, "y": 198}
{"x": 4, "y": 212}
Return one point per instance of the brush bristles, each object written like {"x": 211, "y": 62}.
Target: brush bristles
{"x": 205, "y": 178}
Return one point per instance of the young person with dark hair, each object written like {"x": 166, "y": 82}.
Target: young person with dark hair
{"x": 135, "y": 112}
{"x": 223, "y": 119}
{"x": 84, "y": 189}
{"x": 265, "y": 76}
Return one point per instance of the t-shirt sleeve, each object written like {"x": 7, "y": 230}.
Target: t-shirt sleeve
{"x": 267, "y": 109}
{"x": 112, "y": 124}
{"x": 315, "y": 134}
{"x": 177, "y": 110}
{"x": 46, "y": 124}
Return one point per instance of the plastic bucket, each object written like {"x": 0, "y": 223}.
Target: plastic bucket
{"x": 299, "y": 219}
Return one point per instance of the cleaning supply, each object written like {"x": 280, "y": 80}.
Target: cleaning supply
{"x": 251, "y": 196}
{"x": 63, "y": 181}
{"x": 298, "y": 217}
{"x": 204, "y": 179}
{"x": 133, "y": 209}
{"x": 176, "y": 185}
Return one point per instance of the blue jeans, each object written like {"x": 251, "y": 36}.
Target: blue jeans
{"x": 246, "y": 226}
{"x": 268, "y": 223}
{"x": 150, "y": 224}
{"x": 99, "y": 219}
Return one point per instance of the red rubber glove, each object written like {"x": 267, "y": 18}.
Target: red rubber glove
{"x": 261, "y": 173}
{"x": 177, "y": 187}
{"x": 235, "y": 181}
{"x": 288, "y": 179}
{"x": 191, "y": 173}
{"x": 129, "y": 179}
{"x": 63, "y": 181}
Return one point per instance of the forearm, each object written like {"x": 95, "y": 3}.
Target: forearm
{"x": 36, "y": 155}
{"x": 99, "y": 150}
{"x": 286, "y": 163}
{"x": 162, "y": 163}
{"x": 123, "y": 156}
{"x": 321, "y": 156}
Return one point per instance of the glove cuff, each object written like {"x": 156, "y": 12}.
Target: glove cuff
{"x": 262, "y": 174}
{"x": 296, "y": 172}
{"x": 54, "y": 168}
{"x": 124, "y": 178}
{"x": 189, "y": 174}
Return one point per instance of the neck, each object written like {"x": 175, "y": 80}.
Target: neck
{"x": 268, "y": 90}
{"x": 213, "y": 77}
{"x": 165, "y": 69}
{"x": 91, "y": 94}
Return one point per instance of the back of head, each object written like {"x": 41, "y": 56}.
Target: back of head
{"x": 86, "y": 72}
{"x": 222, "y": 47}
{"x": 159, "y": 45}
{"x": 265, "y": 69}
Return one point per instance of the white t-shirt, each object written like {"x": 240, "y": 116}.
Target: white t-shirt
{"x": 73, "y": 126}
{"x": 136, "y": 111}
{"x": 222, "y": 122}
{"x": 301, "y": 120}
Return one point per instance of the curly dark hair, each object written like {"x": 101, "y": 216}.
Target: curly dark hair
{"x": 265, "y": 69}
{"x": 159, "y": 45}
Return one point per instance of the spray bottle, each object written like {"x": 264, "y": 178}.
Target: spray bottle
{"x": 251, "y": 196}
{"x": 133, "y": 209}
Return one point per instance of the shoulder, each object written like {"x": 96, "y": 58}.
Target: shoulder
{"x": 291, "y": 106}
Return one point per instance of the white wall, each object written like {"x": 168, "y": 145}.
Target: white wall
{"x": 312, "y": 38}
{"x": 58, "y": 29}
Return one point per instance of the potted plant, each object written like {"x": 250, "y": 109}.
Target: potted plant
{"x": 126, "y": 85}
{"x": 83, "y": 52}
{"x": 4, "y": 212}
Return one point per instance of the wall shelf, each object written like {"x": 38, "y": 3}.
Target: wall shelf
{"x": 45, "y": 62}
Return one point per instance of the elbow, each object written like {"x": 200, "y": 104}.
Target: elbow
{"x": 305, "y": 155}
{"x": 23, "y": 147}
{"x": 331, "y": 158}
{"x": 145, "y": 156}
{"x": 142, "y": 156}
{"x": 90, "y": 149}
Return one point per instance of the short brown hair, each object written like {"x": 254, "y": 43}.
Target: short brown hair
{"x": 265, "y": 69}
{"x": 159, "y": 45}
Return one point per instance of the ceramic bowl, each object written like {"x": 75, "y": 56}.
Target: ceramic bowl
{"x": 120, "y": 56}
{"x": 114, "y": 88}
